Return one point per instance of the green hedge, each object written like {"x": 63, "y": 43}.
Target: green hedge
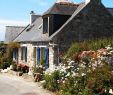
{"x": 89, "y": 45}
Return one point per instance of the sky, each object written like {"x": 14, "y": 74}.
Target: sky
{"x": 17, "y": 12}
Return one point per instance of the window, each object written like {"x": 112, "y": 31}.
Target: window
{"x": 15, "y": 54}
{"x": 45, "y": 25}
{"x": 34, "y": 54}
{"x": 38, "y": 55}
{"x": 24, "y": 54}
{"x": 43, "y": 56}
{"x": 46, "y": 58}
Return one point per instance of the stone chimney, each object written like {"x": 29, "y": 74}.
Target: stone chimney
{"x": 63, "y": 1}
{"x": 94, "y": 1}
{"x": 33, "y": 16}
{"x": 87, "y": 1}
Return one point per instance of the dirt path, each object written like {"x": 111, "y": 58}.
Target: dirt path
{"x": 13, "y": 85}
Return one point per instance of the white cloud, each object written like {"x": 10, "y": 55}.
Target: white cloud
{"x": 2, "y": 32}
{"x": 4, "y": 23}
{"x": 12, "y": 22}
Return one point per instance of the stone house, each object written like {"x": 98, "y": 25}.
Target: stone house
{"x": 53, "y": 32}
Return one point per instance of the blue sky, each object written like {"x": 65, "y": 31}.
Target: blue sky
{"x": 16, "y": 12}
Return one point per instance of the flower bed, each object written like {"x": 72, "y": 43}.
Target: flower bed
{"x": 20, "y": 68}
{"x": 90, "y": 75}
{"x": 23, "y": 68}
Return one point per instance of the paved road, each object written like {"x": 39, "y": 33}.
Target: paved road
{"x": 12, "y": 85}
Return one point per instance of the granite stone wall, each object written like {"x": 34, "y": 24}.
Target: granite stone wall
{"x": 93, "y": 21}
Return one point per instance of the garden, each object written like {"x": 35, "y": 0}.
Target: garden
{"x": 86, "y": 69}
{"x": 6, "y": 59}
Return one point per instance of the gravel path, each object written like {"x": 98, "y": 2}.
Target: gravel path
{"x": 13, "y": 85}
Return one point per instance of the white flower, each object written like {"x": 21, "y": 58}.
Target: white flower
{"x": 78, "y": 69}
{"x": 42, "y": 81}
{"x": 63, "y": 81}
{"x": 110, "y": 91}
{"x": 66, "y": 79}
{"x": 74, "y": 74}
{"x": 62, "y": 78}
{"x": 41, "y": 66}
{"x": 82, "y": 65}
{"x": 58, "y": 81}
{"x": 68, "y": 75}
{"x": 111, "y": 51}
{"x": 68, "y": 67}
{"x": 109, "y": 47}
{"x": 71, "y": 62}
{"x": 105, "y": 90}
{"x": 103, "y": 58}
{"x": 72, "y": 66}
{"x": 83, "y": 74}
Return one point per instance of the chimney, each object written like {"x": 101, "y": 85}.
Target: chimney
{"x": 33, "y": 16}
{"x": 87, "y": 1}
{"x": 93, "y": 1}
{"x": 63, "y": 1}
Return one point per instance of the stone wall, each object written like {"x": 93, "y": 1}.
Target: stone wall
{"x": 30, "y": 60}
{"x": 93, "y": 21}
{"x": 53, "y": 57}
{"x": 30, "y": 56}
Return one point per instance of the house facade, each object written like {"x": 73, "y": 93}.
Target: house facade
{"x": 53, "y": 32}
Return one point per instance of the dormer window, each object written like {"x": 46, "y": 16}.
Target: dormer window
{"x": 46, "y": 25}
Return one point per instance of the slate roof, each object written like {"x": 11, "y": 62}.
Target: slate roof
{"x": 62, "y": 9}
{"x": 80, "y": 7}
{"x": 33, "y": 33}
{"x": 12, "y": 32}
{"x": 110, "y": 10}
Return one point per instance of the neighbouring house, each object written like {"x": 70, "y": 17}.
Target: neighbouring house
{"x": 52, "y": 33}
{"x": 12, "y": 32}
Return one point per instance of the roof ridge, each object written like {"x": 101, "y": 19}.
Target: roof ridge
{"x": 62, "y": 9}
{"x": 109, "y": 8}
{"x": 21, "y": 32}
{"x": 72, "y": 4}
{"x": 17, "y": 26}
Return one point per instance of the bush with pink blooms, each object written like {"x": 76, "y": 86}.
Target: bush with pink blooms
{"x": 22, "y": 68}
{"x": 83, "y": 71}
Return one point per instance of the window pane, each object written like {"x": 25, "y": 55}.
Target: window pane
{"x": 25, "y": 54}
{"x": 45, "y": 25}
{"x": 46, "y": 57}
{"x": 38, "y": 55}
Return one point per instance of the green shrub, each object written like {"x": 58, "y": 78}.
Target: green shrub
{"x": 94, "y": 82}
{"x": 14, "y": 66}
{"x": 5, "y": 63}
{"x": 38, "y": 73}
{"x": 5, "y": 56}
{"x": 73, "y": 85}
{"x": 64, "y": 93}
{"x": 38, "y": 70}
{"x": 100, "y": 79}
{"x": 51, "y": 81}
{"x": 89, "y": 45}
